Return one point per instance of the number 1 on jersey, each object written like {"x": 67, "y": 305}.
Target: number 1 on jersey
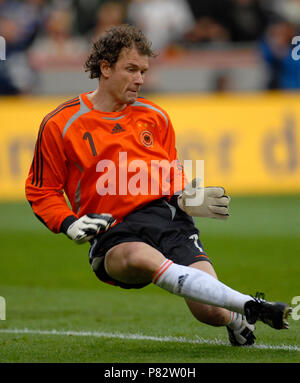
{"x": 88, "y": 136}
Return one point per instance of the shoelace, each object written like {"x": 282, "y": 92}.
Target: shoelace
{"x": 259, "y": 297}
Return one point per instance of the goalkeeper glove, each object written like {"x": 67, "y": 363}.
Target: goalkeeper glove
{"x": 88, "y": 226}
{"x": 198, "y": 201}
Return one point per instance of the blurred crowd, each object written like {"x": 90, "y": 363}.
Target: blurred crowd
{"x": 43, "y": 33}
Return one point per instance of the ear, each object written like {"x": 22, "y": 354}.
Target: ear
{"x": 105, "y": 68}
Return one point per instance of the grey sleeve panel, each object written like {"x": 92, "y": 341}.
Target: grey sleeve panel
{"x": 138, "y": 103}
{"x": 83, "y": 109}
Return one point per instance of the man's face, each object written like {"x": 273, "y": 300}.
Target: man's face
{"x": 126, "y": 76}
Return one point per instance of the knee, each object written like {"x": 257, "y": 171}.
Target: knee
{"x": 134, "y": 259}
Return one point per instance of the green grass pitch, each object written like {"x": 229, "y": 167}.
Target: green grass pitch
{"x": 48, "y": 286}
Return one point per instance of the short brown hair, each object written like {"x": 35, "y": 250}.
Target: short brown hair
{"x": 109, "y": 47}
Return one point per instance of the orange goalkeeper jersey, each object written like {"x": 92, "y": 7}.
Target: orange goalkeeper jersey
{"x": 103, "y": 162}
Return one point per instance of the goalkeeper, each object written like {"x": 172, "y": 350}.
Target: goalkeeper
{"x": 136, "y": 237}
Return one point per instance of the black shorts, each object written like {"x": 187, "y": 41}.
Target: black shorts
{"x": 160, "y": 225}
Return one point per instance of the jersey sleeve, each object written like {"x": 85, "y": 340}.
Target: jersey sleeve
{"x": 177, "y": 176}
{"x": 46, "y": 179}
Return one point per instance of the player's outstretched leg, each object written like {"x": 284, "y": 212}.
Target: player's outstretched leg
{"x": 195, "y": 284}
{"x": 199, "y": 286}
